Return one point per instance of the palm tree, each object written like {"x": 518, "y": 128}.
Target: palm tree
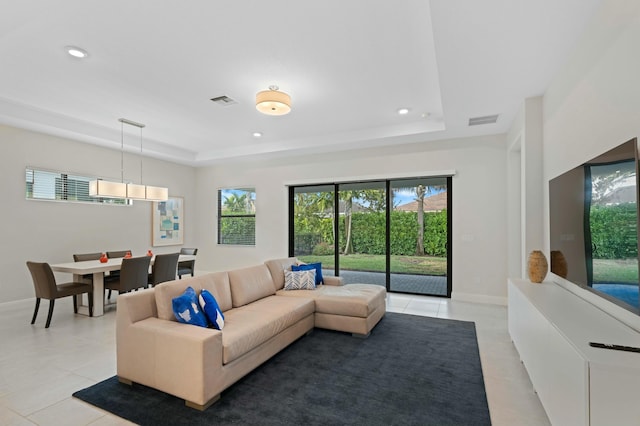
{"x": 374, "y": 199}
{"x": 242, "y": 203}
{"x": 347, "y": 197}
{"x": 421, "y": 191}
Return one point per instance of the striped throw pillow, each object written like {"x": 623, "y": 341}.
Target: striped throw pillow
{"x": 300, "y": 280}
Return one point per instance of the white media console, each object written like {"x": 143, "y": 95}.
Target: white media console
{"x": 577, "y": 384}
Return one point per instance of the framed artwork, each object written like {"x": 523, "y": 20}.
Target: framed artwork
{"x": 168, "y": 222}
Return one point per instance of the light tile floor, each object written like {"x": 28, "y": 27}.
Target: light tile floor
{"x": 40, "y": 368}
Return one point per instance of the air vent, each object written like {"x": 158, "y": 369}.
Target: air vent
{"x": 223, "y": 100}
{"x": 487, "y": 119}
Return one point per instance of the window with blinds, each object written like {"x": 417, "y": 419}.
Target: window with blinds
{"x": 60, "y": 186}
{"x": 237, "y": 216}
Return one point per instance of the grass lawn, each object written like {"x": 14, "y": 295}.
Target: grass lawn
{"x": 420, "y": 265}
{"x": 622, "y": 271}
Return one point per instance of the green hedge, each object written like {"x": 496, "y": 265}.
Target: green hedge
{"x": 368, "y": 233}
{"x": 614, "y": 231}
{"x": 238, "y": 230}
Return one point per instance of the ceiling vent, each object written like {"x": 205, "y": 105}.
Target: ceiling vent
{"x": 487, "y": 119}
{"x": 223, "y": 100}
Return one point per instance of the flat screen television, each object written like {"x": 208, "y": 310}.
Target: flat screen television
{"x": 593, "y": 224}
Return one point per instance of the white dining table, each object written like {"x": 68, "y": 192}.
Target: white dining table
{"x": 97, "y": 269}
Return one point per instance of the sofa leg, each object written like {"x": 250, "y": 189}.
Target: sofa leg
{"x": 125, "y": 381}
{"x": 361, "y": 336}
{"x": 206, "y": 405}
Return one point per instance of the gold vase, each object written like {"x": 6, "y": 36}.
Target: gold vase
{"x": 537, "y": 266}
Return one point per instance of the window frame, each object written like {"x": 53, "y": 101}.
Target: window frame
{"x": 249, "y": 238}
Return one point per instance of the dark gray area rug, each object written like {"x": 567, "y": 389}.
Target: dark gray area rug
{"x": 411, "y": 370}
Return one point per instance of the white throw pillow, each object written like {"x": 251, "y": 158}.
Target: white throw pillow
{"x": 300, "y": 280}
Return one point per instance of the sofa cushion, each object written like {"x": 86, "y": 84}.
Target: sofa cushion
{"x": 217, "y": 283}
{"x": 300, "y": 280}
{"x": 250, "y": 284}
{"x": 355, "y": 300}
{"x": 251, "y": 325}
{"x": 308, "y": 267}
{"x": 211, "y": 309}
{"x": 187, "y": 310}
{"x": 277, "y": 268}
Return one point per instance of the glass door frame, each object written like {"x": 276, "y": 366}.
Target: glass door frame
{"x": 389, "y": 208}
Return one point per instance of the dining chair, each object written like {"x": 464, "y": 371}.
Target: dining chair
{"x": 114, "y": 275}
{"x": 44, "y": 283}
{"x": 134, "y": 274}
{"x": 86, "y": 256}
{"x": 164, "y": 268}
{"x": 187, "y": 266}
{"x": 116, "y": 254}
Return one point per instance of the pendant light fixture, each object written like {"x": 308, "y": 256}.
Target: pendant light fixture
{"x": 108, "y": 189}
{"x": 273, "y": 102}
{"x": 135, "y": 191}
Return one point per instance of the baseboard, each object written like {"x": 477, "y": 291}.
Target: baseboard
{"x": 17, "y": 302}
{"x": 479, "y": 298}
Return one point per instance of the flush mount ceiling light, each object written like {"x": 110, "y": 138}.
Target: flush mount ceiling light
{"x": 273, "y": 102}
{"x": 107, "y": 189}
{"x": 403, "y": 111}
{"x": 76, "y": 52}
{"x": 257, "y": 134}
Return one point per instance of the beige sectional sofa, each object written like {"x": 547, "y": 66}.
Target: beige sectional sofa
{"x": 261, "y": 318}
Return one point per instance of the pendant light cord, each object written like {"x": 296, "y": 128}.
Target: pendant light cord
{"x": 140, "y": 155}
{"x": 121, "y": 151}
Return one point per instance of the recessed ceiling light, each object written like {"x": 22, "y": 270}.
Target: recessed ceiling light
{"x": 76, "y": 52}
{"x": 403, "y": 111}
{"x": 257, "y": 134}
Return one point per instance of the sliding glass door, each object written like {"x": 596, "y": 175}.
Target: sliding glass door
{"x": 362, "y": 223}
{"x": 312, "y": 225}
{"x": 394, "y": 233}
{"x": 419, "y": 236}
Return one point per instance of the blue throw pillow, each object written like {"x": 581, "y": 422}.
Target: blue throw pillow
{"x": 187, "y": 309}
{"x": 308, "y": 267}
{"x": 211, "y": 309}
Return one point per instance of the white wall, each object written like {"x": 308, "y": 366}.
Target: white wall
{"x": 479, "y": 204}
{"x": 53, "y": 231}
{"x": 593, "y": 104}
{"x": 524, "y": 186}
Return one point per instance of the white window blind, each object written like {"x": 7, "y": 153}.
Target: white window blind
{"x": 62, "y": 186}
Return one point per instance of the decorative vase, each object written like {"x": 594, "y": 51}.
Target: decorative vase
{"x": 149, "y": 253}
{"x": 559, "y": 264}
{"x": 537, "y": 266}
{"x": 104, "y": 258}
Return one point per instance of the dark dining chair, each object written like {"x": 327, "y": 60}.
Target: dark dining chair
{"x": 187, "y": 266}
{"x": 164, "y": 268}
{"x": 44, "y": 283}
{"x": 86, "y": 256}
{"x": 114, "y": 275}
{"x": 134, "y": 274}
{"x": 116, "y": 254}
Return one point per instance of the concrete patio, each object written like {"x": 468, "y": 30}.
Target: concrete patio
{"x": 407, "y": 283}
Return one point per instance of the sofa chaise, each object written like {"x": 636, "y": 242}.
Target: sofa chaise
{"x": 261, "y": 318}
